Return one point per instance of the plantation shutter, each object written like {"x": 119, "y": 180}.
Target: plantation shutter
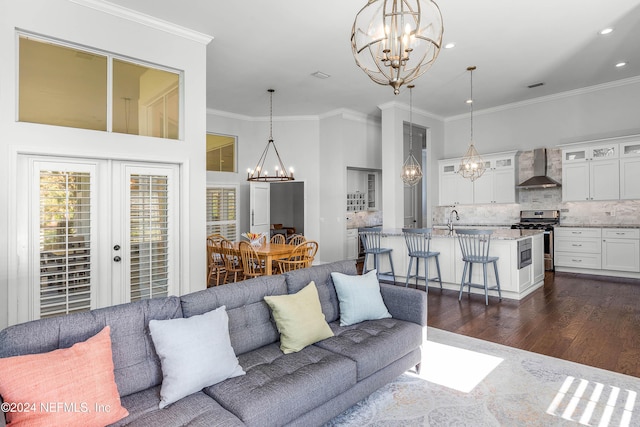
{"x": 65, "y": 242}
{"x": 149, "y": 234}
{"x": 221, "y": 212}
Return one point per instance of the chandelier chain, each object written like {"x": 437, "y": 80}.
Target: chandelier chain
{"x": 271, "y": 114}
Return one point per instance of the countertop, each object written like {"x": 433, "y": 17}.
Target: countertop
{"x": 498, "y": 234}
{"x": 599, "y": 225}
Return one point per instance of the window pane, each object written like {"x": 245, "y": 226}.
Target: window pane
{"x": 221, "y": 153}
{"x": 62, "y": 86}
{"x": 65, "y": 242}
{"x": 146, "y": 101}
{"x": 149, "y": 210}
{"x": 221, "y": 212}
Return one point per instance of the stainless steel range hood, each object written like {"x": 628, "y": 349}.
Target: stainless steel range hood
{"x": 539, "y": 178}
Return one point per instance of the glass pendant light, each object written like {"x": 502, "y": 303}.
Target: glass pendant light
{"x": 472, "y": 165}
{"x": 411, "y": 170}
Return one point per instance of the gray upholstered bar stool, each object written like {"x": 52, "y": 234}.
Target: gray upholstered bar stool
{"x": 419, "y": 246}
{"x": 370, "y": 238}
{"x": 475, "y": 250}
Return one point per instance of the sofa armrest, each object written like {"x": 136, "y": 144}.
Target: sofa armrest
{"x": 3, "y": 416}
{"x": 405, "y": 303}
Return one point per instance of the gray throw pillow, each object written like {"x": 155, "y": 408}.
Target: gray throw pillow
{"x": 195, "y": 353}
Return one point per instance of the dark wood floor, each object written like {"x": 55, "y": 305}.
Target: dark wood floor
{"x": 586, "y": 319}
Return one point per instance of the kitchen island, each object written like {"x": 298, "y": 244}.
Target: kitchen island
{"x": 515, "y": 283}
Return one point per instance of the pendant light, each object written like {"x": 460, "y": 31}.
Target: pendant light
{"x": 472, "y": 165}
{"x": 259, "y": 173}
{"x": 396, "y": 41}
{"x": 411, "y": 170}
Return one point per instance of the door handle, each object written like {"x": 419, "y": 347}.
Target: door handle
{"x": 117, "y": 258}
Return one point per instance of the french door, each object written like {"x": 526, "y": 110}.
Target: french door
{"x": 94, "y": 233}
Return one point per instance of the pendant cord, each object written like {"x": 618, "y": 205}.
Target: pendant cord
{"x": 471, "y": 142}
{"x": 411, "y": 119}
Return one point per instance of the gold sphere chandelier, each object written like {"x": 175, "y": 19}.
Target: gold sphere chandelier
{"x": 472, "y": 165}
{"x": 411, "y": 170}
{"x": 259, "y": 173}
{"x": 396, "y": 41}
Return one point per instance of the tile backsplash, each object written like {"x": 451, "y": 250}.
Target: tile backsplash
{"x": 364, "y": 219}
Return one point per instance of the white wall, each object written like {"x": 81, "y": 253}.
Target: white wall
{"x": 297, "y": 140}
{"x": 598, "y": 112}
{"x": 78, "y": 24}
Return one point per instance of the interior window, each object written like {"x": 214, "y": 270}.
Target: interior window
{"x": 62, "y": 86}
{"x": 66, "y": 86}
{"x": 221, "y": 153}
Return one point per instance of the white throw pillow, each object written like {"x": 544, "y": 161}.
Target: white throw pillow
{"x": 195, "y": 353}
{"x": 359, "y": 298}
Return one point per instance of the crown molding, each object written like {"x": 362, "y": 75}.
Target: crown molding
{"x": 144, "y": 19}
{"x": 246, "y": 118}
{"x": 404, "y": 107}
{"x": 548, "y": 98}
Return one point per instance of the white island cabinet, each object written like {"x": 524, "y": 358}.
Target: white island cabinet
{"x": 606, "y": 251}
{"x": 515, "y": 283}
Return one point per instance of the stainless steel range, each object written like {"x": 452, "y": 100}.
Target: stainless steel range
{"x": 541, "y": 220}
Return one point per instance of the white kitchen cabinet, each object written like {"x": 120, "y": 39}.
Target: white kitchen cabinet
{"x": 591, "y": 173}
{"x": 363, "y": 190}
{"x": 454, "y": 188}
{"x": 630, "y": 170}
{"x": 352, "y": 243}
{"x": 373, "y": 194}
{"x": 496, "y": 185}
{"x": 578, "y": 247}
{"x": 621, "y": 249}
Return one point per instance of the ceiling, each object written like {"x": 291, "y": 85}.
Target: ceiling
{"x": 259, "y": 45}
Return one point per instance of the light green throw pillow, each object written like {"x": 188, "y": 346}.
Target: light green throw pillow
{"x": 359, "y": 298}
{"x": 299, "y": 319}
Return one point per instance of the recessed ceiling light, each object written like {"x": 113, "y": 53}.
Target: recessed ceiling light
{"x": 320, "y": 75}
{"x": 469, "y": 101}
{"x": 450, "y": 45}
{"x": 605, "y": 31}
{"x": 621, "y": 64}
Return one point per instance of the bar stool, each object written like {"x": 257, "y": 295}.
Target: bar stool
{"x": 370, "y": 237}
{"x": 475, "y": 250}
{"x": 419, "y": 247}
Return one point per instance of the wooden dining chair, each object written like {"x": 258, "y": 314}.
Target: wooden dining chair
{"x": 296, "y": 239}
{"x": 279, "y": 239}
{"x": 312, "y": 249}
{"x": 232, "y": 261}
{"x": 297, "y": 260}
{"x": 252, "y": 265}
{"x": 215, "y": 263}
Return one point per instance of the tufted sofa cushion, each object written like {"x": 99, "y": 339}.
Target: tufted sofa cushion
{"x": 250, "y": 324}
{"x": 373, "y": 344}
{"x": 278, "y": 388}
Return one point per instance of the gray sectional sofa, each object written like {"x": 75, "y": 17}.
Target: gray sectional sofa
{"x": 305, "y": 388}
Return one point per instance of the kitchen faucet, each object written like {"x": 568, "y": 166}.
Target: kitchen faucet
{"x": 450, "y": 221}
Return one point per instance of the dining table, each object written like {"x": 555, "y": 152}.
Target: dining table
{"x": 269, "y": 252}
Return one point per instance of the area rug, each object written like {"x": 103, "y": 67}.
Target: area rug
{"x": 469, "y": 382}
